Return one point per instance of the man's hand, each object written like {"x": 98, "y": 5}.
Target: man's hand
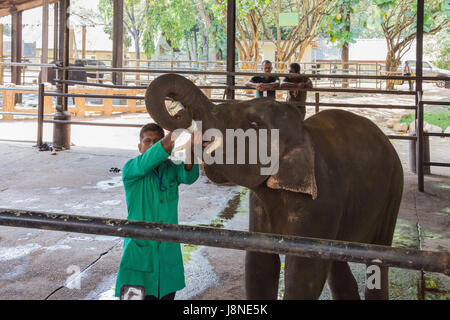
{"x": 168, "y": 141}
{"x": 260, "y": 86}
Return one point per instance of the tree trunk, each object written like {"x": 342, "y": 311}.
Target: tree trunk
{"x": 195, "y": 46}
{"x": 345, "y": 49}
{"x": 392, "y": 64}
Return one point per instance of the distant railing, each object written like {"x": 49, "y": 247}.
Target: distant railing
{"x": 30, "y": 71}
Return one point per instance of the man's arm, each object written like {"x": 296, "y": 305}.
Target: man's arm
{"x": 144, "y": 163}
{"x": 271, "y": 85}
{"x": 251, "y": 84}
{"x": 168, "y": 142}
{"x": 297, "y": 85}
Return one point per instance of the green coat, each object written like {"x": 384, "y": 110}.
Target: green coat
{"x": 153, "y": 264}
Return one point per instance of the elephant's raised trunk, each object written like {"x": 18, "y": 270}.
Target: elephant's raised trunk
{"x": 197, "y": 105}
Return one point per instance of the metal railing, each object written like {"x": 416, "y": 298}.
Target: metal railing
{"x": 317, "y": 103}
{"x": 241, "y": 240}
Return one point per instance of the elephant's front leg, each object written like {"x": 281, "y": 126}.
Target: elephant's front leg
{"x": 304, "y": 278}
{"x": 262, "y": 270}
{"x": 262, "y": 273}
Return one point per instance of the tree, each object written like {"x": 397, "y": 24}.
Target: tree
{"x": 339, "y": 30}
{"x": 292, "y": 41}
{"x": 398, "y": 22}
{"x": 249, "y": 16}
{"x": 439, "y": 49}
{"x": 134, "y": 19}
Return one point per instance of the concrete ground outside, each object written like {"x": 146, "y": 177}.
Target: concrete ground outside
{"x": 38, "y": 264}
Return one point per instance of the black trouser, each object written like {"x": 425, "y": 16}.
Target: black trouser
{"x": 409, "y": 81}
{"x": 170, "y": 296}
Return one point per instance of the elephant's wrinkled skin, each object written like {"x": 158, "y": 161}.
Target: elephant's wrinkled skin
{"x": 339, "y": 178}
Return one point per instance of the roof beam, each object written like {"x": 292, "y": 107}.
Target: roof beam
{"x": 9, "y": 6}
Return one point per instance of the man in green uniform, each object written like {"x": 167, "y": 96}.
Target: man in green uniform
{"x": 264, "y": 85}
{"x": 151, "y": 187}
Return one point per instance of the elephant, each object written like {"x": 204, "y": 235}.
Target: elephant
{"x": 338, "y": 178}
{"x": 76, "y": 75}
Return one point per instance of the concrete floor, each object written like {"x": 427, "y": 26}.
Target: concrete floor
{"x": 37, "y": 264}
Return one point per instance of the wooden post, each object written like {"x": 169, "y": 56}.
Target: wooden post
{"x": 8, "y": 103}
{"x": 55, "y": 30}
{"x": 16, "y": 45}
{"x": 40, "y": 114}
{"x": 80, "y": 104}
{"x": 61, "y": 132}
{"x": 44, "y": 49}
{"x": 132, "y": 102}
{"x": 108, "y": 104}
{"x": 419, "y": 104}
{"x": 317, "y": 102}
{"x": 16, "y": 50}
{"x": 71, "y": 44}
{"x": 117, "y": 60}
{"x": 1, "y": 53}
{"x": 231, "y": 45}
{"x": 83, "y": 42}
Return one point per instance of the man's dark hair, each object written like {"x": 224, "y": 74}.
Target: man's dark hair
{"x": 151, "y": 127}
{"x": 265, "y": 61}
{"x": 295, "y": 66}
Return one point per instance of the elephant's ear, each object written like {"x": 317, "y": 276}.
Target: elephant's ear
{"x": 296, "y": 169}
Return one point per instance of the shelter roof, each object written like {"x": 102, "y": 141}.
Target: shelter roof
{"x": 9, "y": 6}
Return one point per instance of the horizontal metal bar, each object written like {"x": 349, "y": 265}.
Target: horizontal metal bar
{"x": 329, "y": 104}
{"x": 104, "y": 85}
{"x": 396, "y": 137}
{"x": 437, "y": 164}
{"x": 100, "y": 124}
{"x": 399, "y": 92}
{"x": 360, "y": 105}
{"x": 20, "y": 64}
{"x": 27, "y": 114}
{"x": 436, "y": 134}
{"x": 18, "y": 89}
{"x": 225, "y": 73}
{"x": 240, "y": 240}
{"x": 99, "y": 96}
{"x": 436, "y": 103}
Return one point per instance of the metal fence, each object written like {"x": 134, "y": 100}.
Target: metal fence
{"x": 306, "y": 247}
{"x": 239, "y": 240}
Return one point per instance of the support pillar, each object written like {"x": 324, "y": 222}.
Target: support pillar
{"x": 16, "y": 46}
{"x": 61, "y": 132}
{"x": 419, "y": 104}
{"x": 16, "y": 50}
{"x": 117, "y": 60}
{"x": 83, "y": 42}
{"x": 44, "y": 52}
{"x": 1, "y": 53}
{"x": 55, "y": 30}
{"x": 231, "y": 45}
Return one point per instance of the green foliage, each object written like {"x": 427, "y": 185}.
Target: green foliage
{"x": 6, "y": 30}
{"x": 441, "y": 120}
{"x": 337, "y": 24}
{"x": 435, "y": 13}
{"x": 439, "y": 49}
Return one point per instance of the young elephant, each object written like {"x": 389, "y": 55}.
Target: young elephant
{"x": 338, "y": 177}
